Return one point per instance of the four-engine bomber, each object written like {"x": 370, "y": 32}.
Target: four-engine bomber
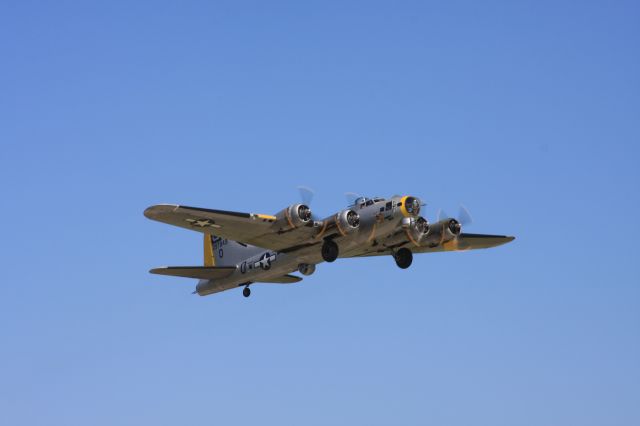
{"x": 245, "y": 248}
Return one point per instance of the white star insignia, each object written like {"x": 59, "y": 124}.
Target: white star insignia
{"x": 202, "y": 223}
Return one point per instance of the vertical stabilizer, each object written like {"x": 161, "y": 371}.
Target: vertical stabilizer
{"x": 222, "y": 252}
{"x": 209, "y": 259}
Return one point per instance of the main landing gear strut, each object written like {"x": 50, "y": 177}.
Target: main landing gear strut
{"x": 403, "y": 258}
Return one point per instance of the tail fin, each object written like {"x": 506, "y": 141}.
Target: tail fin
{"x": 209, "y": 258}
{"x": 223, "y": 252}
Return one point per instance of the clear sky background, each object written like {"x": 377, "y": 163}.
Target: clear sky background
{"x": 527, "y": 112}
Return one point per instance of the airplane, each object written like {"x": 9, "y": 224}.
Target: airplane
{"x": 241, "y": 249}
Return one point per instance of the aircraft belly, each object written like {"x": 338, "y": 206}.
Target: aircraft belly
{"x": 262, "y": 267}
{"x": 373, "y": 231}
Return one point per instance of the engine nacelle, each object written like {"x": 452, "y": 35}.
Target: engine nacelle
{"x": 347, "y": 221}
{"x": 417, "y": 230}
{"x": 441, "y": 232}
{"x": 294, "y": 216}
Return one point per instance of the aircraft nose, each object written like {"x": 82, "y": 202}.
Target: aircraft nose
{"x": 410, "y": 206}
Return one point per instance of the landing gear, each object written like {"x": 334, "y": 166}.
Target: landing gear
{"x": 403, "y": 258}
{"x": 246, "y": 292}
{"x": 330, "y": 251}
{"x": 306, "y": 268}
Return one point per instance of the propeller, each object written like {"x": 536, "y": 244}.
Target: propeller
{"x": 351, "y": 197}
{"x": 464, "y": 217}
{"x": 441, "y": 215}
{"x": 306, "y": 194}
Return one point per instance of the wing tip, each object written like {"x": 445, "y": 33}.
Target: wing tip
{"x": 506, "y": 239}
{"x": 152, "y": 212}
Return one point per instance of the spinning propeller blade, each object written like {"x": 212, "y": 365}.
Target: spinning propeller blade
{"x": 306, "y": 194}
{"x": 441, "y": 215}
{"x": 464, "y": 217}
{"x": 351, "y": 197}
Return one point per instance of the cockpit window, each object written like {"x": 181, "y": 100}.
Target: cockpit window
{"x": 363, "y": 202}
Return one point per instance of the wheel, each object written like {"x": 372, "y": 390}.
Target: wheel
{"x": 330, "y": 251}
{"x": 246, "y": 292}
{"x": 403, "y": 258}
{"x": 306, "y": 268}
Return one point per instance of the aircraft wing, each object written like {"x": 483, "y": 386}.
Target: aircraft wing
{"x": 249, "y": 228}
{"x": 468, "y": 242}
{"x": 464, "y": 242}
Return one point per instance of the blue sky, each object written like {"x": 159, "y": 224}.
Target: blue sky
{"x": 526, "y": 112}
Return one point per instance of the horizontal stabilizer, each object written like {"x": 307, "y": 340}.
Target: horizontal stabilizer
{"x": 200, "y": 272}
{"x": 285, "y": 279}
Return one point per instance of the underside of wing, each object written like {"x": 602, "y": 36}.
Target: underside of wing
{"x": 223, "y": 223}
{"x": 248, "y": 228}
{"x": 199, "y": 272}
{"x": 462, "y": 243}
{"x": 468, "y": 242}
